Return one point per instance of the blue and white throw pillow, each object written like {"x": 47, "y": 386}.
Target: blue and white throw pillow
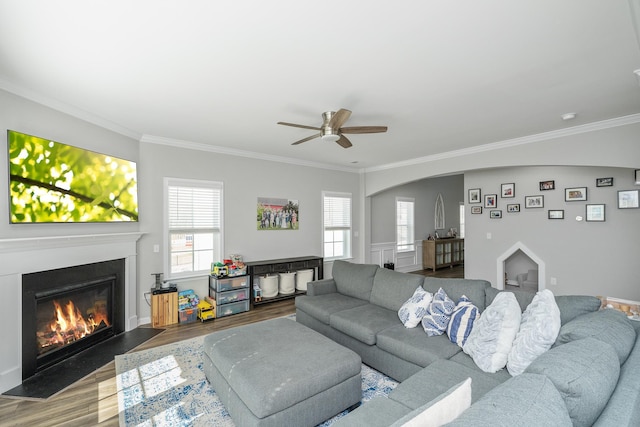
{"x": 437, "y": 318}
{"x": 414, "y": 309}
{"x": 461, "y": 321}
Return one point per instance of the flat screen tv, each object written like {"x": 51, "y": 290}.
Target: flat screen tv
{"x": 51, "y": 182}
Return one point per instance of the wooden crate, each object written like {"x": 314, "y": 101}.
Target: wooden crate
{"x": 164, "y": 309}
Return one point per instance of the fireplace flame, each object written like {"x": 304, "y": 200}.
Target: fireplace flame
{"x": 69, "y": 325}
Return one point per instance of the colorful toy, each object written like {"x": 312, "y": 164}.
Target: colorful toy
{"x": 206, "y": 310}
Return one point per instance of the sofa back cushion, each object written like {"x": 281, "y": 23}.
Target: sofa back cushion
{"x": 523, "y": 298}
{"x": 473, "y": 289}
{"x": 585, "y": 372}
{"x": 572, "y": 306}
{"x": 391, "y": 288}
{"x": 354, "y": 280}
{"x": 610, "y": 326}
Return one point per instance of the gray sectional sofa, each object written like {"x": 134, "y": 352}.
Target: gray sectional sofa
{"x": 591, "y": 376}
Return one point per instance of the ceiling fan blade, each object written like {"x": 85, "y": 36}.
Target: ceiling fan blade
{"x": 364, "y": 129}
{"x": 309, "y": 138}
{"x": 344, "y": 142}
{"x": 298, "y": 126}
{"x": 339, "y": 118}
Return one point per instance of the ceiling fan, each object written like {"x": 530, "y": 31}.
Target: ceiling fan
{"x": 332, "y": 130}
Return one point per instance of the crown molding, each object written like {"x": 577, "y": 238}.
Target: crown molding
{"x": 159, "y": 140}
{"x": 66, "y": 108}
{"x": 530, "y": 139}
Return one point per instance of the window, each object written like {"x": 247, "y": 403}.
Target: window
{"x": 336, "y": 225}
{"x": 193, "y": 226}
{"x": 405, "y": 224}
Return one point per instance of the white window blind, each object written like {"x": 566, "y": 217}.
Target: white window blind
{"x": 337, "y": 225}
{"x": 405, "y": 235}
{"x": 193, "y": 225}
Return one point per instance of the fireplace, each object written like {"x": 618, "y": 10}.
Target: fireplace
{"x": 68, "y": 310}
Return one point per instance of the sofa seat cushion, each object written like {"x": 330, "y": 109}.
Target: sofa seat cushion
{"x": 610, "y": 326}
{"x": 525, "y": 400}
{"x": 322, "y": 307}
{"x": 378, "y": 412}
{"x": 391, "y": 288}
{"x": 354, "y": 280}
{"x": 436, "y": 379}
{"x": 414, "y": 346}
{"x": 364, "y": 322}
{"x": 585, "y": 372}
{"x": 455, "y": 288}
{"x": 464, "y": 359}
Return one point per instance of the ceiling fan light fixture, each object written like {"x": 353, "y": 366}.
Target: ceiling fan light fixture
{"x": 330, "y": 137}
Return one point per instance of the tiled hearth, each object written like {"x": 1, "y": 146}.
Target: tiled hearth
{"x": 30, "y": 255}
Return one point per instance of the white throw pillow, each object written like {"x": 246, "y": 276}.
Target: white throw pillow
{"x": 444, "y": 408}
{"x": 414, "y": 309}
{"x": 539, "y": 329}
{"x": 461, "y": 322}
{"x": 438, "y": 314}
{"x": 492, "y": 335}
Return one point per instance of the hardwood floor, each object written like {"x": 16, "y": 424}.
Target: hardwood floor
{"x": 93, "y": 400}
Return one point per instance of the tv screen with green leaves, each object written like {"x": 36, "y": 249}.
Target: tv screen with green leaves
{"x": 51, "y": 182}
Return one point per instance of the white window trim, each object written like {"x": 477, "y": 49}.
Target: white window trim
{"x": 411, "y": 244}
{"x": 350, "y": 248}
{"x": 166, "y": 253}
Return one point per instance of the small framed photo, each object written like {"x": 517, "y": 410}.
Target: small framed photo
{"x": 490, "y": 200}
{"x": 495, "y": 214}
{"x": 628, "y": 199}
{"x": 534, "y": 202}
{"x": 474, "y": 195}
{"x": 476, "y": 210}
{"x": 595, "y": 213}
{"x": 556, "y": 214}
{"x": 604, "y": 182}
{"x": 575, "y": 194}
{"x": 513, "y": 207}
{"x": 547, "y": 185}
{"x": 637, "y": 177}
{"x": 508, "y": 190}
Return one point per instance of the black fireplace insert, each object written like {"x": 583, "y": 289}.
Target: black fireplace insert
{"x": 67, "y": 310}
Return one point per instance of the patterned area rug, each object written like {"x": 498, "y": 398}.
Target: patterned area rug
{"x": 166, "y": 386}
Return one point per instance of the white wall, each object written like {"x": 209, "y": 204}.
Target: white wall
{"x": 245, "y": 180}
{"x": 383, "y": 206}
{"x": 592, "y": 258}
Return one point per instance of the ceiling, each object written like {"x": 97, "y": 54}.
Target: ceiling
{"x": 442, "y": 75}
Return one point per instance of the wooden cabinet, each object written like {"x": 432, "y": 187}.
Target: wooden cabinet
{"x": 164, "y": 308}
{"x": 442, "y": 253}
{"x": 258, "y": 269}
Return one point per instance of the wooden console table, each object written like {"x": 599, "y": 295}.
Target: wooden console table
{"x": 255, "y": 269}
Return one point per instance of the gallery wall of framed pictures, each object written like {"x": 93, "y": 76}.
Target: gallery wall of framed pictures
{"x": 617, "y": 194}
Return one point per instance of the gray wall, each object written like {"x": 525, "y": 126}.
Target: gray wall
{"x": 383, "y": 207}
{"x": 245, "y": 180}
{"x": 592, "y": 258}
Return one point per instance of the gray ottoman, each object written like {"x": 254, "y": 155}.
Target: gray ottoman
{"x": 280, "y": 373}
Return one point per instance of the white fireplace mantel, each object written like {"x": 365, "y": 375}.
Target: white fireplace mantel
{"x": 28, "y": 255}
